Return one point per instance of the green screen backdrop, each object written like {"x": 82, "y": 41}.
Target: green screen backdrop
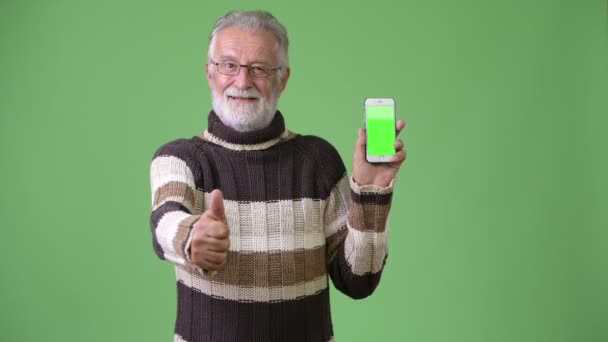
{"x": 498, "y": 225}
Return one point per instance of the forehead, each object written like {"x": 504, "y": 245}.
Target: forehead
{"x": 246, "y": 46}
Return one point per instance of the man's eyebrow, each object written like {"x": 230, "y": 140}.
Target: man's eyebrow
{"x": 234, "y": 59}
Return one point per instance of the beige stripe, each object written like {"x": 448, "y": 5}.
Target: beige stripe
{"x": 169, "y": 169}
{"x": 209, "y": 286}
{"x": 286, "y": 135}
{"x": 365, "y": 251}
{"x": 368, "y": 217}
{"x": 337, "y": 206}
{"x": 183, "y": 233}
{"x": 174, "y": 191}
{"x": 166, "y": 231}
{"x": 285, "y": 225}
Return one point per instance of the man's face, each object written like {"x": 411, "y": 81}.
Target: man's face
{"x": 241, "y": 101}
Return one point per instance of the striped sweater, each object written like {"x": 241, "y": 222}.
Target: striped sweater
{"x": 295, "y": 219}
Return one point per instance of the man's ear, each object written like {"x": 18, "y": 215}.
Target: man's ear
{"x": 208, "y": 73}
{"x": 283, "y": 81}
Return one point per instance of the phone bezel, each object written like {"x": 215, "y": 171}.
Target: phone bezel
{"x": 379, "y": 101}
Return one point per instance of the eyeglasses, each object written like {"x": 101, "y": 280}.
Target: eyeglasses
{"x": 256, "y": 70}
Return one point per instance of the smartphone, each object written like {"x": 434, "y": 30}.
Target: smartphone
{"x": 380, "y": 127}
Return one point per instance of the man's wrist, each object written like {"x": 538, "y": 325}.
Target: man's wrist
{"x": 371, "y": 188}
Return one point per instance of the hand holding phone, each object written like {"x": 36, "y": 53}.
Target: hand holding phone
{"x": 378, "y": 154}
{"x": 380, "y": 120}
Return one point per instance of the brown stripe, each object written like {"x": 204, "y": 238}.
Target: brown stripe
{"x": 344, "y": 279}
{"x": 371, "y": 198}
{"x": 275, "y": 269}
{"x": 174, "y": 189}
{"x": 182, "y": 234}
{"x": 287, "y": 169}
{"x": 202, "y": 318}
{"x": 368, "y": 217}
{"x": 333, "y": 242}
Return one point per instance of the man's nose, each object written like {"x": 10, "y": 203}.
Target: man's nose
{"x": 243, "y": 79}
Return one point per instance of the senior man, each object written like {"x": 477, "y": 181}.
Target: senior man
{"x": 256, "y": 218}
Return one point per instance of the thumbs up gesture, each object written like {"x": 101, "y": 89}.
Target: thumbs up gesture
{"x": 210, "y": 242}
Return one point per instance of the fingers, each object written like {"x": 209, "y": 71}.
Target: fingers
{"x": 217, "y": 230}
{"x": 362, "y": 140}
{"x": 216, "y": 245}
{"x": 202, "y": 241}
{"x": 399, "y": 126}
{"x": 208, "y": 259}
{"x": 211, "y": 237}
{"x": 215, "y": 258}
{"x": 399, "y": 157}
{"x": 398, "y": 145}
{"x": 360, "y": 146}
{"x": 211, "y": 261}
{"x": 210, "y": 245}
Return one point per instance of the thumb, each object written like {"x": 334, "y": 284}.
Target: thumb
{"x": 216, "y": 206}
{"x": 360, "y": 145}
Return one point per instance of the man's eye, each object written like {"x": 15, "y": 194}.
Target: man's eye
{"x": 259, "y": 70}
{"x": 229, "y": 65}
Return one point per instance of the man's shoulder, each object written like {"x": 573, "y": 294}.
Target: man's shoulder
{"x": 321, "y": 151}
{"x": 182, "y": 148}
{"x": 316, "y": 143}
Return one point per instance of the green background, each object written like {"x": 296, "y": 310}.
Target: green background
{"x": 499, "y": 226}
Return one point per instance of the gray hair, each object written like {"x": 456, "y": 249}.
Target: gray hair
{"x": 254, "y": 21}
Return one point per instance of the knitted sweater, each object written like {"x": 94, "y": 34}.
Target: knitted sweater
{"x": 295, "y": 220}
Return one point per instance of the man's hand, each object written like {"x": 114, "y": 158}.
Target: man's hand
{"x": 210, "y": 241}
{"x": 379, "y": 174}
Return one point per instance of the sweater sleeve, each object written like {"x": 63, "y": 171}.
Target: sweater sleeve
{"x": 357, "y": 236}
{"x": 173, "y": 178}
{"x": 356, "y": 222}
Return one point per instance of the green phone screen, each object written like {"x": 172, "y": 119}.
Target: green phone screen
{"x": 380, "y": 130}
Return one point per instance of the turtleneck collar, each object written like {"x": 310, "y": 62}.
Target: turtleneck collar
{"x": 220, "y": 134}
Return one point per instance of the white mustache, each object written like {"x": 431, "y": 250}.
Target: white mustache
{"x": 233, "y": 92}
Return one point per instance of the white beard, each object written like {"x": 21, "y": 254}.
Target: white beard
{"x": 244, "y": 117}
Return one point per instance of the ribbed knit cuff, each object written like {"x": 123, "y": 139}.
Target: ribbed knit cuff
{"x": 371, "y": 188}
{"x": 188, "y": 245}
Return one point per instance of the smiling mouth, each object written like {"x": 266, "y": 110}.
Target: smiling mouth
{"x": 242, "y": 99}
